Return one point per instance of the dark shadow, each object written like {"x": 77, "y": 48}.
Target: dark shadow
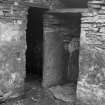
{"x": 34, "y": 37}
{"x": 71, "y": 22}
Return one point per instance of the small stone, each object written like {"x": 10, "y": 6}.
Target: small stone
{"x": 103, "y": 7}
{"x": 95, "y": 2}
{"x": 1, "y": 13}
{"x": 95, "y": 6}
{"x": 16, "y": 3}
{"x": 19, "y": 21}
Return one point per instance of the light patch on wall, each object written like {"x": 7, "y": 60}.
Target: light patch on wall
{"x": 9, "y": 31}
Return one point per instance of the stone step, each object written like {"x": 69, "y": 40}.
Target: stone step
{"x": 66, "y": 93}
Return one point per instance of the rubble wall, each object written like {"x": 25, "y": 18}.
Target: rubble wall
{"x": 12, "y": 49}
{"x": 91, "y": 80}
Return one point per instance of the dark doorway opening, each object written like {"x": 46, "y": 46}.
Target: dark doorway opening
{"x": 70, "y": 23}
{"x": 34, "y": 38}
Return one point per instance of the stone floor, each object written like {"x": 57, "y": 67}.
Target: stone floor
{"x": 34, "y": 94}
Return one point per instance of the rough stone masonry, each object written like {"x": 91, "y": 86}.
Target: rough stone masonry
{"x": 12, "y": 48}
{"x": 91, "y": 81}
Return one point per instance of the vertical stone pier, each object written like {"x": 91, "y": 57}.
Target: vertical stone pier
{"x": 12, "y": 49}
{"x": 91, "y": 81}
{"x": 54, "y": 72}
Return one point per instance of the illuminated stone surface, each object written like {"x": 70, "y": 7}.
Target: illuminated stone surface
{"x": 91, "y": 81}
{"x": 12, "y": 50}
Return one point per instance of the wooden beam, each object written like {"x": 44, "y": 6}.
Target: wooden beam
{"x": 68, "y": 10}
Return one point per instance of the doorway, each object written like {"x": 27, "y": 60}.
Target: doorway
{"x": 34, "y": 38}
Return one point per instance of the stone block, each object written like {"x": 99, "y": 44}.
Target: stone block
{"x": 65, "y": 93}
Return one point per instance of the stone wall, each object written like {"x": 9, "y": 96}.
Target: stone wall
{"x": 57, "y": 4}
{"x": 12, "y": 49}
{"x": 91, "y": 81}
{"x": 52, "y": 4}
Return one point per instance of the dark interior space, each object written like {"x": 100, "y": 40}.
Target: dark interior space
{"x": 74, "y": 35}
{"x": 71, "y": 22}
{"x": 34, "y": 38}
{"x": 68, "y": 26}
{"x": 73, "y": 70}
